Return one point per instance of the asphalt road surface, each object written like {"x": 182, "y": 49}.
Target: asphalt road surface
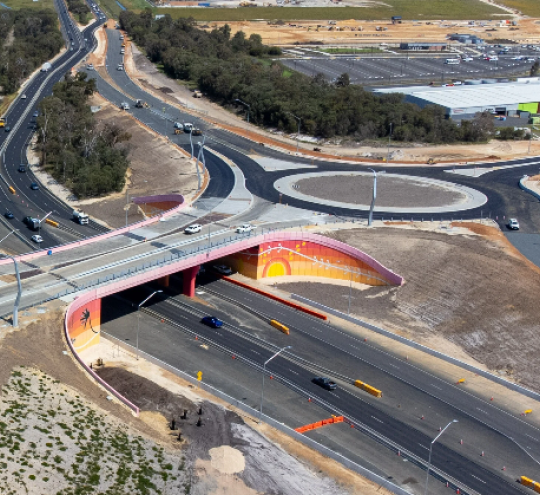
{"x": 309, "y": 353}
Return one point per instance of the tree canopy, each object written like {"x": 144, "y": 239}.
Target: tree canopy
{"x": 28, "y": 38}
{"x": 89, "y": 159}
{"x": 228, "y": 68}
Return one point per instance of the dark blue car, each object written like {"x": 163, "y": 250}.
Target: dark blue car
{"x": 212, "y": 321}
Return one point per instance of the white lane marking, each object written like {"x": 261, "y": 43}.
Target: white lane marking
{"x": 295, "y": 372}
{"x": 393, "y": 366}
{"x": 255, "y": 352}
{"x": 436, "y": 386}
{"x": 535, "y": 439}
{"x": 478, "y": 478}
{"x": 377, "y": 419}
{"x": 481, "y": 410}
{"x": 423, "y": 446}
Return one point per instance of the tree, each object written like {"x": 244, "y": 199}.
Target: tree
{"x": 535, "y": 68}
{"x": 343, "y": 80}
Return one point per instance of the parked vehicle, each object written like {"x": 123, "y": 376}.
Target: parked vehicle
{"x": 80, "y": 217}
{"x": 324, "y": 382}
{"x": 196, "y": 132}
{"x": 178, "y": 126}
{"x": 513, "y": 224}
{"x": 188, "y": 127}
{"x": 453, "y": 61}
{"x": 124, "y": 106}
{"x": 193, "y": 229}
{"x": 212, "y": 321}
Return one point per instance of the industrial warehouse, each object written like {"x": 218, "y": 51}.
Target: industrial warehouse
{"x": 508, "y": 99}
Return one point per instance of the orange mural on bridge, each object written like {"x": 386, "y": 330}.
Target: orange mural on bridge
{"x": 279, "y": 258}
{"x": 84, "y": 327}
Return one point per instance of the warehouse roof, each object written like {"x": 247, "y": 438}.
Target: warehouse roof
{"x": 479, "y": 95}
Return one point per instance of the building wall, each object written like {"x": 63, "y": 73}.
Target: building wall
{"x": 529, "y": 107}
{"x": 302, "y": 258}
{"x": 85, "y": 325}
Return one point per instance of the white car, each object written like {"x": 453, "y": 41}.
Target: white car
{"x": 244, "y": 228}
{"x": 37, "y": 239}
{"x": 513, "y": 224}
{"x": 124, "y": 106}
{"x": 467, "y": 59}
{"x": 193, "y": 229}
{"x": 23, "y": 97}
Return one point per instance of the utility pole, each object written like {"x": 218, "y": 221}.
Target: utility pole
{"x": 264, "y": 372}
{"x": 246, "y": 105}
{"x": 372, "y": 206}
{"x": 389, "y": 138}
{"x": 298, "y": 119}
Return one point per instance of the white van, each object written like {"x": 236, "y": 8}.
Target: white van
{"x": 452, "y": 61}
{"x": 179, "y": 126}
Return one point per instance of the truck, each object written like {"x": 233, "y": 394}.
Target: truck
{"x": 31, "y": 222}
{"x": 2, "y": 122}
{"x": 141, "y": 104}
{"x": 46, "y": 67}
{"x": 80, "y": 217}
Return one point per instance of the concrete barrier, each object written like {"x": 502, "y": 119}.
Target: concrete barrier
{"x": 522, "y": 185}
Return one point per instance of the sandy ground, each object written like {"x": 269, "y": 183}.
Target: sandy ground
{"x": 463, "y": 290}
{"x": 394, "y": 192}
{"x": 232, "y": 454}
{"x": 355, "y": 32}
{"x": 150, "y": 79}
{"x": 175, "y": 173}
{"x": 534, "y": 183}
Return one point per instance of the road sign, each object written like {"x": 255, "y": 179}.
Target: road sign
{"x": 199, "y": 375}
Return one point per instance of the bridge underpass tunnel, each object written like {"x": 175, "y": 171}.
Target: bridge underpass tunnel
{"x": 304, "y": 258}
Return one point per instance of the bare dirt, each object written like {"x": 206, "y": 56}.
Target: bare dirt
{"x": 477, "y": 293}
{"x": 358, "y": 32}
{"x": 395, "y": 192}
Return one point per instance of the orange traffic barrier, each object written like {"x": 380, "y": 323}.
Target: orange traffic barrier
{"x": 50, "y": 221}
{"x": 12, "y": 190}
{"x": 319, "y": 424}
{"x": 316, "y": 314}
{"x": 280, "y": 326}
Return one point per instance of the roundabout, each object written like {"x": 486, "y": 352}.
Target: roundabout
{"x": 396, "y": 193}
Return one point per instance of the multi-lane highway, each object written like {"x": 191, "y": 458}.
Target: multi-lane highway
{"x": 410, "y": 392}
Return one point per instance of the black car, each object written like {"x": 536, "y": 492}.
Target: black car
{"x": 9, "y": 215}
{"x": 212, "y": 321}
{"x": 8, "y": 128}
{"x": 223, "y": 269}
{"x": 34, "y": 186}
{"x": 325, "y": 383}
{"x": 22, "y": 168}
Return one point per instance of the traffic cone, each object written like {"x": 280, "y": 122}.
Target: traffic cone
{"x": 309, "y": 399}
{"x": 422, "y": 417}
{"x": 482, "y": 454}
{"x": 461, "y": 442}
{"x": 399, "y": 453}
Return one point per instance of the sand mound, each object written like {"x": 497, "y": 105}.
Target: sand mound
{"x": 227, "y": 460}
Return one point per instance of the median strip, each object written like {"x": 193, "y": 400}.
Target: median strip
{"x": 276, "y": 298}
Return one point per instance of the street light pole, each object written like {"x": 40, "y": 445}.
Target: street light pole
{"x": 431, "y": 449}
{"x": 19, "y": 289}
{"x": 389, "y": 138}
{"x": 245, "y": 104}
{"x": 139, "y": 317}
{"x": 372, "y": 206}
{"x": 298, "y": 119}
{"x": 264, "y": 372}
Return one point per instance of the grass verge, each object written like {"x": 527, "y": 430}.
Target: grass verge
{"x": 408, "y": 9}
{"x": 528, "y": 7}
{"x": 28, "y": 4}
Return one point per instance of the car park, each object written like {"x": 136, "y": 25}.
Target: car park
{"x": 37, "y": 238}
{"x": 22, "y": 168}
{"x": 324, "y": 382}
{"x": 34, "y": 186}
{"x": 244, "y": 228}
{"x": 212, "y": 321}
{"x": 513, "y": 224}
{"x": 223, "y": 269}
{"x": 193, "y": 229}
{"x": 9, "y": 215}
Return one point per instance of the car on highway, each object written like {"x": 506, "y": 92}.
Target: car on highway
{"x": 9, "y": 215}
{"x": 35, "y": 114}
{"x": 120, "y": 67}
{"x": 212, "y": 321}
{"x": 22, "y": 168}
{"x": 23, "y": 96}
{"x": 513, "y": 224}
{"x": 34, "y": 186}
{"x": 7, "y": 128}
{"x": 37, "y": 238}
{"x": 245, "y": 228}
{"x": 324, "y": 382}
{"x": 530, "y": 59}
{"x": 467, "y": 59}
{"x": 223, "y": 269}
{"x": 193, "y": 229}
{"x": 124, "y": 106}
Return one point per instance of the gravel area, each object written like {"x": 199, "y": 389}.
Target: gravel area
{"x": 391, "y": 191}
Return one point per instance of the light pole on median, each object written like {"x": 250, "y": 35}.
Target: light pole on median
{"x": 264, "y": 372}
{"x": 139, "y": 317}
{"x": 431, "y": 449}
{"x": 19, "y": 289}
{"x": 298, "y": 120}
{"x": 246, "y": 105}
{"x": 372, "y": 206}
